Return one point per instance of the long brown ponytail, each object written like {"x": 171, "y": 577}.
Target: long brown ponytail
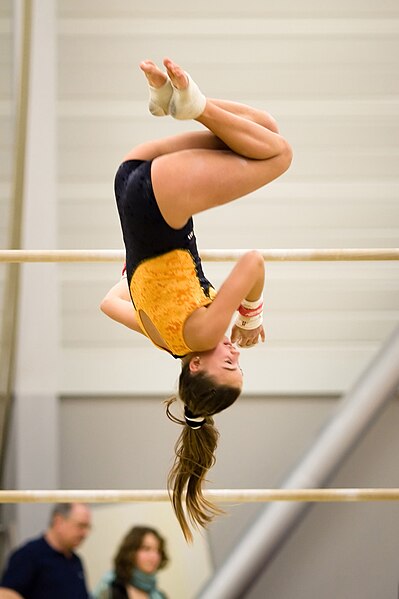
{"x": 195, "y": 448}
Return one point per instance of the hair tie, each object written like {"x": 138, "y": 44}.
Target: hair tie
{"x": 193, "y": 421}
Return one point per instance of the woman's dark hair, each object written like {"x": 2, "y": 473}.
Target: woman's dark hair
{"x": 124, "y": 560}
{"x": 195, "y": 448}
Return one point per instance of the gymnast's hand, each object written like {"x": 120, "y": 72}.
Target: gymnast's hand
{"x": 245, "y": 338}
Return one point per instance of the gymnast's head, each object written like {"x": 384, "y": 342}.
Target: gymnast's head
{"x": 209, "y": 382}
{"x": 219, "y": 365}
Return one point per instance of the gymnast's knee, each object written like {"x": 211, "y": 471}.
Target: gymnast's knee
{"x": 285, "y": 155}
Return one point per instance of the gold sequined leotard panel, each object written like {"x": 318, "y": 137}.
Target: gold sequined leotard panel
{"x": 169, "y": 300}
{"x": 164, "y": 269}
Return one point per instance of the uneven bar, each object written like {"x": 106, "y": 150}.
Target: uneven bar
{"x": 270, "y": 255}
{"x": 218, "y": 495}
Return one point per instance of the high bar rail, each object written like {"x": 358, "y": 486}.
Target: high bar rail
{"x": 341, "y": 495}
{"x": 227, "y": 255}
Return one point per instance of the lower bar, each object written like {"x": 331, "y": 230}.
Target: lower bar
{"x": 218, "y": 495}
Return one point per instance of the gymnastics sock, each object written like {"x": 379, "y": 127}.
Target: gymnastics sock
{"x": 160, "y": 98}
{"x": 187, "y": 103}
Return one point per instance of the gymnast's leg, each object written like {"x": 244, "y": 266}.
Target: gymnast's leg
{"x": 240, "y": 152}
{"x": 157, "y": 80}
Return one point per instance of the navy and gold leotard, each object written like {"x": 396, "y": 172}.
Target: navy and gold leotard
{"x": 164, "y": 270}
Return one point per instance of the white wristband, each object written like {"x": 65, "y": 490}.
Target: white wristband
{"x": 249, "y": 323}
{"x": 250, "y": 314}
{"x": 252, "y": 305}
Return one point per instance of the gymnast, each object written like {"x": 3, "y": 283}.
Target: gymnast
{"x": 159, "y": 186}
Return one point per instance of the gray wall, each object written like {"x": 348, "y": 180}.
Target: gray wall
{"x": 328, "y": 73}
{"x": 33, "y": 449}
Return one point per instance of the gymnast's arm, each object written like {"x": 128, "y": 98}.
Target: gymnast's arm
{"x": 9, "y": 594}
{"x": 117, "y": 304}
{"x": 205, "y": 328}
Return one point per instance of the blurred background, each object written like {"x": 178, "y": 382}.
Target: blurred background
{"x": 81, "y": 398}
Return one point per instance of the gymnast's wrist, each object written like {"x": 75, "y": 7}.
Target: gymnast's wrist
{"x": 250, "y": 314}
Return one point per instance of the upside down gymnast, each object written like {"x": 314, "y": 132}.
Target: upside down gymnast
{"x": 164, "y": 294}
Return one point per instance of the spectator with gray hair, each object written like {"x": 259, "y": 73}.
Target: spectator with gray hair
{"x": 47, "y": 567}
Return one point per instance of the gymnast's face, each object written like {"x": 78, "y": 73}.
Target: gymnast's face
{"x": 221, "y": 363}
